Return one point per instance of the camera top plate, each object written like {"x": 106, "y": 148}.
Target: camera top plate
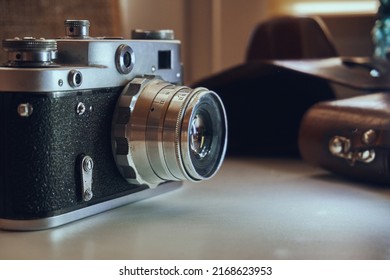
{"x": 94, "y": 63}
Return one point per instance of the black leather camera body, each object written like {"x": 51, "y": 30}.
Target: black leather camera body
{"x": 88, "y": 124}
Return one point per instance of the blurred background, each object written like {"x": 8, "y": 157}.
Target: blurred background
{"x": 214, "y": 33}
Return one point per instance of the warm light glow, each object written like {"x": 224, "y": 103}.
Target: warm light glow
{"x": 341, "y": 7}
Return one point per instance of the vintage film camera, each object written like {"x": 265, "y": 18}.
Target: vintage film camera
{"x": 88, "y": 124}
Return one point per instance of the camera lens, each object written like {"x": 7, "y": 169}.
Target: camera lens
{"x": 164, "y": 132}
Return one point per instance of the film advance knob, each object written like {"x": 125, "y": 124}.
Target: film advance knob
{"x": 77, "y": 28}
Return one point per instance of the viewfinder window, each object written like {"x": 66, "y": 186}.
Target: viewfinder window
{"x": 164, "y": 60}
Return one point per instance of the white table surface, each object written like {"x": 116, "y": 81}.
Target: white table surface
{"x": 253, "y": 209}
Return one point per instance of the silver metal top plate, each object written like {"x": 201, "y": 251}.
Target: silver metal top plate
{"x": 95, "y": 60}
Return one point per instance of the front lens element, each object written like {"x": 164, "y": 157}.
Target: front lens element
{"x": 203, "y": 134}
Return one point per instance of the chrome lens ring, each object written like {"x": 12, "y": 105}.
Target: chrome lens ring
{"x": 170, "y": 133}
{"x": 160, "y": 132}
{"x": 203, "y": 134}
{"x": 163, "y": 132}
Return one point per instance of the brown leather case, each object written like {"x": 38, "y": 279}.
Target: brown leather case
{"x": 350, "y": 137}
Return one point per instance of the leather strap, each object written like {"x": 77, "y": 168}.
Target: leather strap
{"x": 367, "y": 74}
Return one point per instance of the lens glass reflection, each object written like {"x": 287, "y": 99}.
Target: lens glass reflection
{"x": 200, "y": 135}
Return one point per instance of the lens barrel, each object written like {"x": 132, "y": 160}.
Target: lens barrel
{"x": 162, "y": 132}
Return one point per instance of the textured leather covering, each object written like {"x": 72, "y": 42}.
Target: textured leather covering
{"x": 39, "y": 171}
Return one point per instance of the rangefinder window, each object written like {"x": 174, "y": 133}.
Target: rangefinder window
{"x": 164, "y": 60}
